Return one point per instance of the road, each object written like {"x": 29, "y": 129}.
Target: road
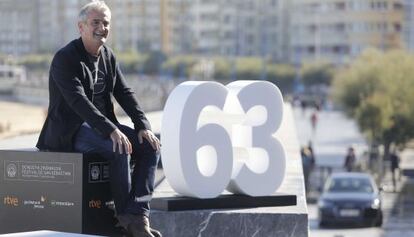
{"x": 334, "y": 133}
{"x": 315, "y": 231}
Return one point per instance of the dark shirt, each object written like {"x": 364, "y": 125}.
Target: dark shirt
{"x": 100, "y": 79}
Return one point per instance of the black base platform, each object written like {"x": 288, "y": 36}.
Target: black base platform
{"x": 222, "y": 202}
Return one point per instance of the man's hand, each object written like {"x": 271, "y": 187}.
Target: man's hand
{"x": 119, "y": 139}
{"x": 151, "y": 138}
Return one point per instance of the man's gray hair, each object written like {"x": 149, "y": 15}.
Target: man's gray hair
{"x": 96, "y": 5}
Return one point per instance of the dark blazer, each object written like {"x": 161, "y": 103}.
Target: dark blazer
{"x": 70, "y": 95}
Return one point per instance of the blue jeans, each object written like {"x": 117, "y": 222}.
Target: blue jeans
{"x": 131, "y": 193}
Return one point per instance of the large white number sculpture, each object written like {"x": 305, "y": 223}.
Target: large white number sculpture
{"x": 264, "y": 170}
{"x": 201, "y": 160}
{"x": 182, "y": 139}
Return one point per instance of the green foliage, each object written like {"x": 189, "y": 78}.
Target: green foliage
{"x": 317, "y": 74}
{"x": 153, "y": 62}
{"x": 282, "y": 75}
{"x": 222, "y": 68}
{"x": 179, "y": 66}
{"x": 249, "y": 68}
{"x": 131, "y": 61}
{"x": 377, "y": 90}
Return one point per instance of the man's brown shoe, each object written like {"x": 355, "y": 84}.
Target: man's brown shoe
{"x": 140, "y": 227}
{"x": 155, "y": 232}
{"x": 127, "y": 220}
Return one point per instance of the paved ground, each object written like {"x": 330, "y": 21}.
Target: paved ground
{"x": 18, "y": 119}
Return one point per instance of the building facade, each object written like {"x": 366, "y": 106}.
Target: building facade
{"x": 206, "y": 27}
{"x": 135, "y": 25}
{"x": 336, "y": 31}
{"x": 408, "y": 25}
{"x": 37, "y": 26}
{"x": 17, "y": 28}
{"x": 229, "y": 27}
{"x": 292, "y": 31}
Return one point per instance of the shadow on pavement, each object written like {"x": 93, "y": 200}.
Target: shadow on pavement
{"x": 401, "y": 215}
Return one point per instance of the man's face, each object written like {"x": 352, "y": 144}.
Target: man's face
{"x": 96, "y": 28}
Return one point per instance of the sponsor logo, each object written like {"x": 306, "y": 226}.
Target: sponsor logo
{"x": 11, "y": 201}
{"x": 110, "y": 205}
{"x": 39, "y": 171}
{"x": 11, "y": 170}
{"x": 95, "y": 204}
{"x": 98, "y": 172}
{"x": 37, "y": 204}
{"x": 105, "y": 171}
{"x": 95, "y": 172}
{"x": 55, "y": 203}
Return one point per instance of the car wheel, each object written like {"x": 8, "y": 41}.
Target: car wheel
{"x": 378, "y": 223}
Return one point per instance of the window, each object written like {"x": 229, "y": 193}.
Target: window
{"x": 339, "y": 49}
{"x": 397, "y": 27}
{"x": 250, "y": 39}
{"x": 311, "y": 49}
{"x": 340, "y": 6}
{"x": 398, "y": 6}
{"x": 313, "y": 28}
{"x": 340, "y": 27}
{"x": 227, "y": 19}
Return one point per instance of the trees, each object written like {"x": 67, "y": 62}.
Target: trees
{"x": 377, "y": 90}
{"x": 318, "y": 73}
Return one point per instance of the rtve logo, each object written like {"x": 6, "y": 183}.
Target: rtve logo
{"x": 95, "y": 204}
{"x": 11, "y": 201}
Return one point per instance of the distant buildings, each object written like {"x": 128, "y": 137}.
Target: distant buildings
{"x": 339, "y": 30}
{"x": 289, "y": 31}
{"x": 17, "y": 31}
{"x": 136, "y": 25}
{"x": 37, "y": 26}
{"x": 225, "y": 27}
{"x": 210, "y": 27}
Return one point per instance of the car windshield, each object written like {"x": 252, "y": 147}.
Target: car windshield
{"x": 347, "y": 184}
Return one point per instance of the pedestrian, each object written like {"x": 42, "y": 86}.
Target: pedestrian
{"x": 306, "y": 165}
{"x": 395, "y": 164}
{"x": 314, "y": 120}
{"x": 312, "y": 155}
{"x": 350, "y": 160}
{"x": 303, "y": 105}
{"x": 84, "y": 77}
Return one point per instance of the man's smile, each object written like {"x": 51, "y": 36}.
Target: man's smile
{"x": 99, "y": 34}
